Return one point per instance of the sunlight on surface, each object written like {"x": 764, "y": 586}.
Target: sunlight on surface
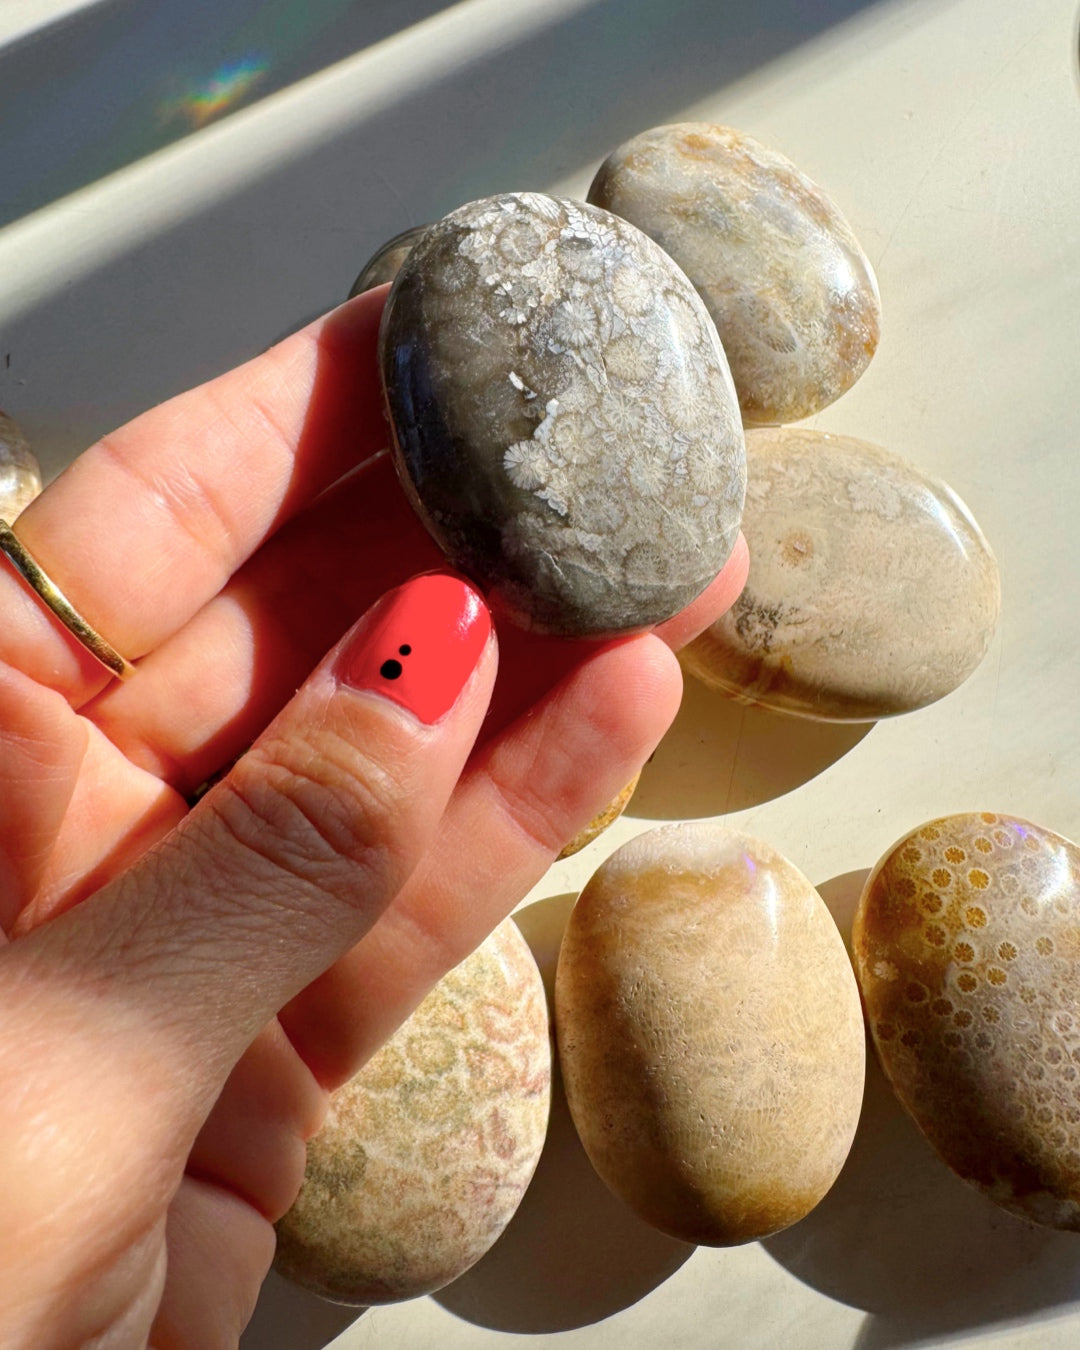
{"x": 91, "y": 89}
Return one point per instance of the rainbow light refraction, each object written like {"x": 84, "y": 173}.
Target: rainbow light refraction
{"x": 218, "y": 93}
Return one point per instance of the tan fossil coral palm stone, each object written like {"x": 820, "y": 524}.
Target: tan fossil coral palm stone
{"x": 596, "y": 827}
{"x": 426, "y": 1153}
{"x": 710, "y": 1034}
{"x": 967, "y": 948}
{"x": 791, "y": 292}
{"x": 872, "y": 591}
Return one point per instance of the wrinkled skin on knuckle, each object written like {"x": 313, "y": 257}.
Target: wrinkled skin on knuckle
{"x": 319, "y": 812}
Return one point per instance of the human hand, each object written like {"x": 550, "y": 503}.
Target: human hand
{"x": 182, "y": 987}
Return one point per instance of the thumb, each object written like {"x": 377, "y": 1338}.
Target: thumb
{"x": 284, "y": 865}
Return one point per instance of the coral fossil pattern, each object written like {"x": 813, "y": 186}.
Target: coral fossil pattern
{"x": 20, "y": 474}
{"x": 426, "y": 1153}
{"x": 967, "y": 949}
{"x": 710, "y": 1035}
{"x": 872, "y": 590}
{"x": 793, "y": 295}
{"x": 564, "y": 417}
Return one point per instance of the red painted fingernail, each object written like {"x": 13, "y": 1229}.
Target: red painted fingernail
{"x": 419, "y": 644}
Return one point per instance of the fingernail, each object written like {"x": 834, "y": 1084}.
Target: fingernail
{"x": 419, "y": 644}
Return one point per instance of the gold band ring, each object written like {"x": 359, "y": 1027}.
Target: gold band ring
{"x": 31, "y": 571}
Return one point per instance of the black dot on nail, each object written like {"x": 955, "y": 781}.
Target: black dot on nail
{"x": 390, "y": 670}
{"x": 405, "y": 649}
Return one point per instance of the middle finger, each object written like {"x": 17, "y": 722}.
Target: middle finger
{"x": 203, "y": 696}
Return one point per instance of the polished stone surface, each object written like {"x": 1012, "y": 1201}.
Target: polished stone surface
{"x": 425, "y": 1154}
{"x": 967, "y": 948}
{"x": 872, "y": 591}
{"x": 710, "y": 1035}
{"x": 385, "y": 263}
{"x": 600, "y": 823}
{"x": 564, "y": 418}
{"x": 20, "y": 474}
{"x": 792, "y": 292}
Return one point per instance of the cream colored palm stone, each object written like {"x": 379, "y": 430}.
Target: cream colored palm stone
{"x": 872, "y": 590}
{"x": 426, "y": 1153}
{"x": 710, "y": 1034}
{"x": 791, "y": 292}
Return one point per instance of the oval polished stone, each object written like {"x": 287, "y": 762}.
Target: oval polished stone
{"x": 793, "y": 295}
{"x": 20, "y": 473}
{"x": 967, "y": 948}
{"x": 710, "y": 1034}
{"x": 385, "y": 263}
{"x": 425, "y": 1154}
{"x": 564, "y": 419}
{"x": 871, "y": 592}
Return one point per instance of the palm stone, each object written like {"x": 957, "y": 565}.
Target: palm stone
{"x": 564, "y": 419}
{"x": 385, "y": 262}
{"x": 792, "y": 293}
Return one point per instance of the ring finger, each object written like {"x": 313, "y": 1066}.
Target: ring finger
{"x": 150, "y": 523}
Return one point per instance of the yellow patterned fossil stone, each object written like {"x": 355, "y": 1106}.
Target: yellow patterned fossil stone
{"x": 426, "y": 1153}
{"x": 20, "y": 474}
{"x": 872, "y": 591}
{"x": 792, "y": 293}
{"x": 710, "y": 1035}
{"x": 967, "y": 949}
{"x": 600, "y": 823}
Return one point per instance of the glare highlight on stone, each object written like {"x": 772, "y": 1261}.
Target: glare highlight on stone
{"x": 425, "y": 1154}
{"x": 710, "y": 1035}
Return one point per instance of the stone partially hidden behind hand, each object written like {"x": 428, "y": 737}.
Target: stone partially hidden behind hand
{"x": 871, "y": 592}
{"x": 966, "y": 948}
{"x": 424, "y": 1156}
{"x": 596, "y": 827}
{"x": 20, "y": 474}
{"x": 792, "y": 293}
{"x": 710, "y": 1035}
{"x": 385, "y": 263}
{"x": 564, "y": 419}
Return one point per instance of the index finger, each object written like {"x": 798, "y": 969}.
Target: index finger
{"x": 149, "y": 524}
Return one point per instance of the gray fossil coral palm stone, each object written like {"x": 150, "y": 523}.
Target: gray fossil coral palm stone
{"x": 792, "y": 292}
{"x": 564, "y": 419}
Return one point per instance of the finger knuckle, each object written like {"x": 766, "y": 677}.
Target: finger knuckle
{"x": 532, "y": 801}
{"x": 550, "y": 787}
{"x": 317, "y": 813}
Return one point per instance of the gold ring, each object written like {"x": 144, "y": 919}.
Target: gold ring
{"x": 31, "y": 571}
